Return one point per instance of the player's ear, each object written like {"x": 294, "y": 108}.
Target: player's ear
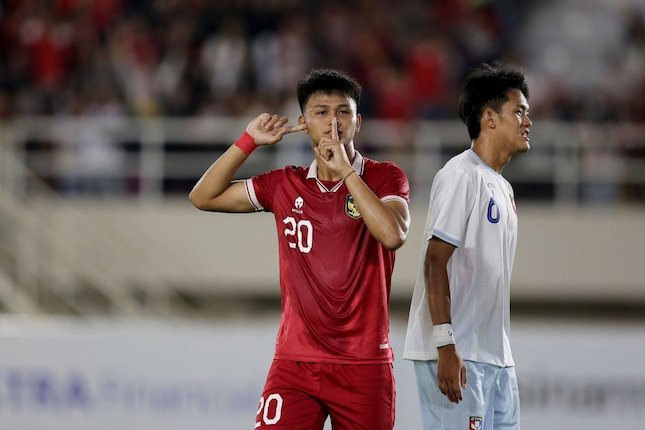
{"x": 489, "y": 118}
{"x": 301, "y": 120}
{"x": 359, "y": 121}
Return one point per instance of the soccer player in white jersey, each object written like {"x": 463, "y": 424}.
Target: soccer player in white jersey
{"x": 458, "y": 330}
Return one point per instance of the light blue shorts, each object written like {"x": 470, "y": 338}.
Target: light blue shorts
{"x": 491, "y": 401}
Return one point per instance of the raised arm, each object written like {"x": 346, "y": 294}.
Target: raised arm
{"x": 215, "y": 190}
{"x": 451, "y": 373}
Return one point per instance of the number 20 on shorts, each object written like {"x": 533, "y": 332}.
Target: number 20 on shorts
{"x": 269, "y": 411}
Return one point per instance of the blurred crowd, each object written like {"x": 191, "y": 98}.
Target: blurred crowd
{"x": 200, "y": 57}
{"x": 196, "y": 57}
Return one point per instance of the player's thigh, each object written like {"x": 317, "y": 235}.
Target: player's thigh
{"x": 506, "y": 415}
{"x": 286, "y": 402}
{"x": 439, "y": 413}
{"x": 360, "y": 397}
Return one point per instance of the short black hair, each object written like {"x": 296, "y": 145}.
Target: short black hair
{"x": 487, "y": 86}
{"x": 327, "y": 81}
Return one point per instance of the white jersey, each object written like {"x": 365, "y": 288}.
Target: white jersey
{"x": 471, "y": 207}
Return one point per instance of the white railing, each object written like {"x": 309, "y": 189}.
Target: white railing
{"x": 569, "y": 163}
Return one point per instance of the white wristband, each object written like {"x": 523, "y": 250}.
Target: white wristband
{"x": 443, "y": 334}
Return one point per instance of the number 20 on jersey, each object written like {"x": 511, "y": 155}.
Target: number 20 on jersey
{"x": 299, "y": 233}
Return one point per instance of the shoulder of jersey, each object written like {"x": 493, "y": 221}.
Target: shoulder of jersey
{"x": 461, "y": 162}
{"x": 369, "y": 163}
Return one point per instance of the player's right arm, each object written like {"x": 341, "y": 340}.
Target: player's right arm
{"x": 451, "y": 373}
{"x": 215, "y": 190}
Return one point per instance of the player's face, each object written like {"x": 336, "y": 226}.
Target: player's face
{"x": 321, "y": 108}
{"x": 515, "y": 123}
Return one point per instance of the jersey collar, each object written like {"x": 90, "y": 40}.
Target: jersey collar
{"x": 358, "y": 165}
{"x": 482, "y": 162}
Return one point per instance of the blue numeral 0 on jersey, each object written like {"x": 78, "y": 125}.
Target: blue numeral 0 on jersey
{"x": 493, "y": 211}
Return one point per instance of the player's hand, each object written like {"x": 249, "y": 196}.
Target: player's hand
{"x": 451, "y": 373}
{"x": 331, "y": 151}
{"x": 267, "y": 129}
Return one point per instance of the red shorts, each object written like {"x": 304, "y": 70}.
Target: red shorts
{"x": 300, "y": 395}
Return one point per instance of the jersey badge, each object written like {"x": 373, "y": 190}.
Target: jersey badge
{"x": 476, "y": 423}
{"x": 298, "y": 204}
{"x": 350, "y": 207}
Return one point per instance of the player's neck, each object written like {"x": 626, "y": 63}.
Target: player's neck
{"x": 490, "y": 154}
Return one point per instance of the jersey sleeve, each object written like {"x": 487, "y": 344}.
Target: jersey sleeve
{"x": 392, "y": 184}
{"x": 451, "y": 202}
{"x": 260, "y": 189}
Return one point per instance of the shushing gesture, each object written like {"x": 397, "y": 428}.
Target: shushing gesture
{"x": 267, "y": 129}
{"x": 331, "y": 151}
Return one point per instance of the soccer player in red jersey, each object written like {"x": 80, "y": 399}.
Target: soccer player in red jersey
{"x": 339, "y": 222}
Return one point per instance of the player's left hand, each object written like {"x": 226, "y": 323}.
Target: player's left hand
{"x": 331, "y": 151}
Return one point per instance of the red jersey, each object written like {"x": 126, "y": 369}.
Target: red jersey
{"x": 335, "y": 276}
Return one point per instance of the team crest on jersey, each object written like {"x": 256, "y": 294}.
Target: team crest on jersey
{"x": 476, "y": 423}
{"x": 350, "y": 207}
